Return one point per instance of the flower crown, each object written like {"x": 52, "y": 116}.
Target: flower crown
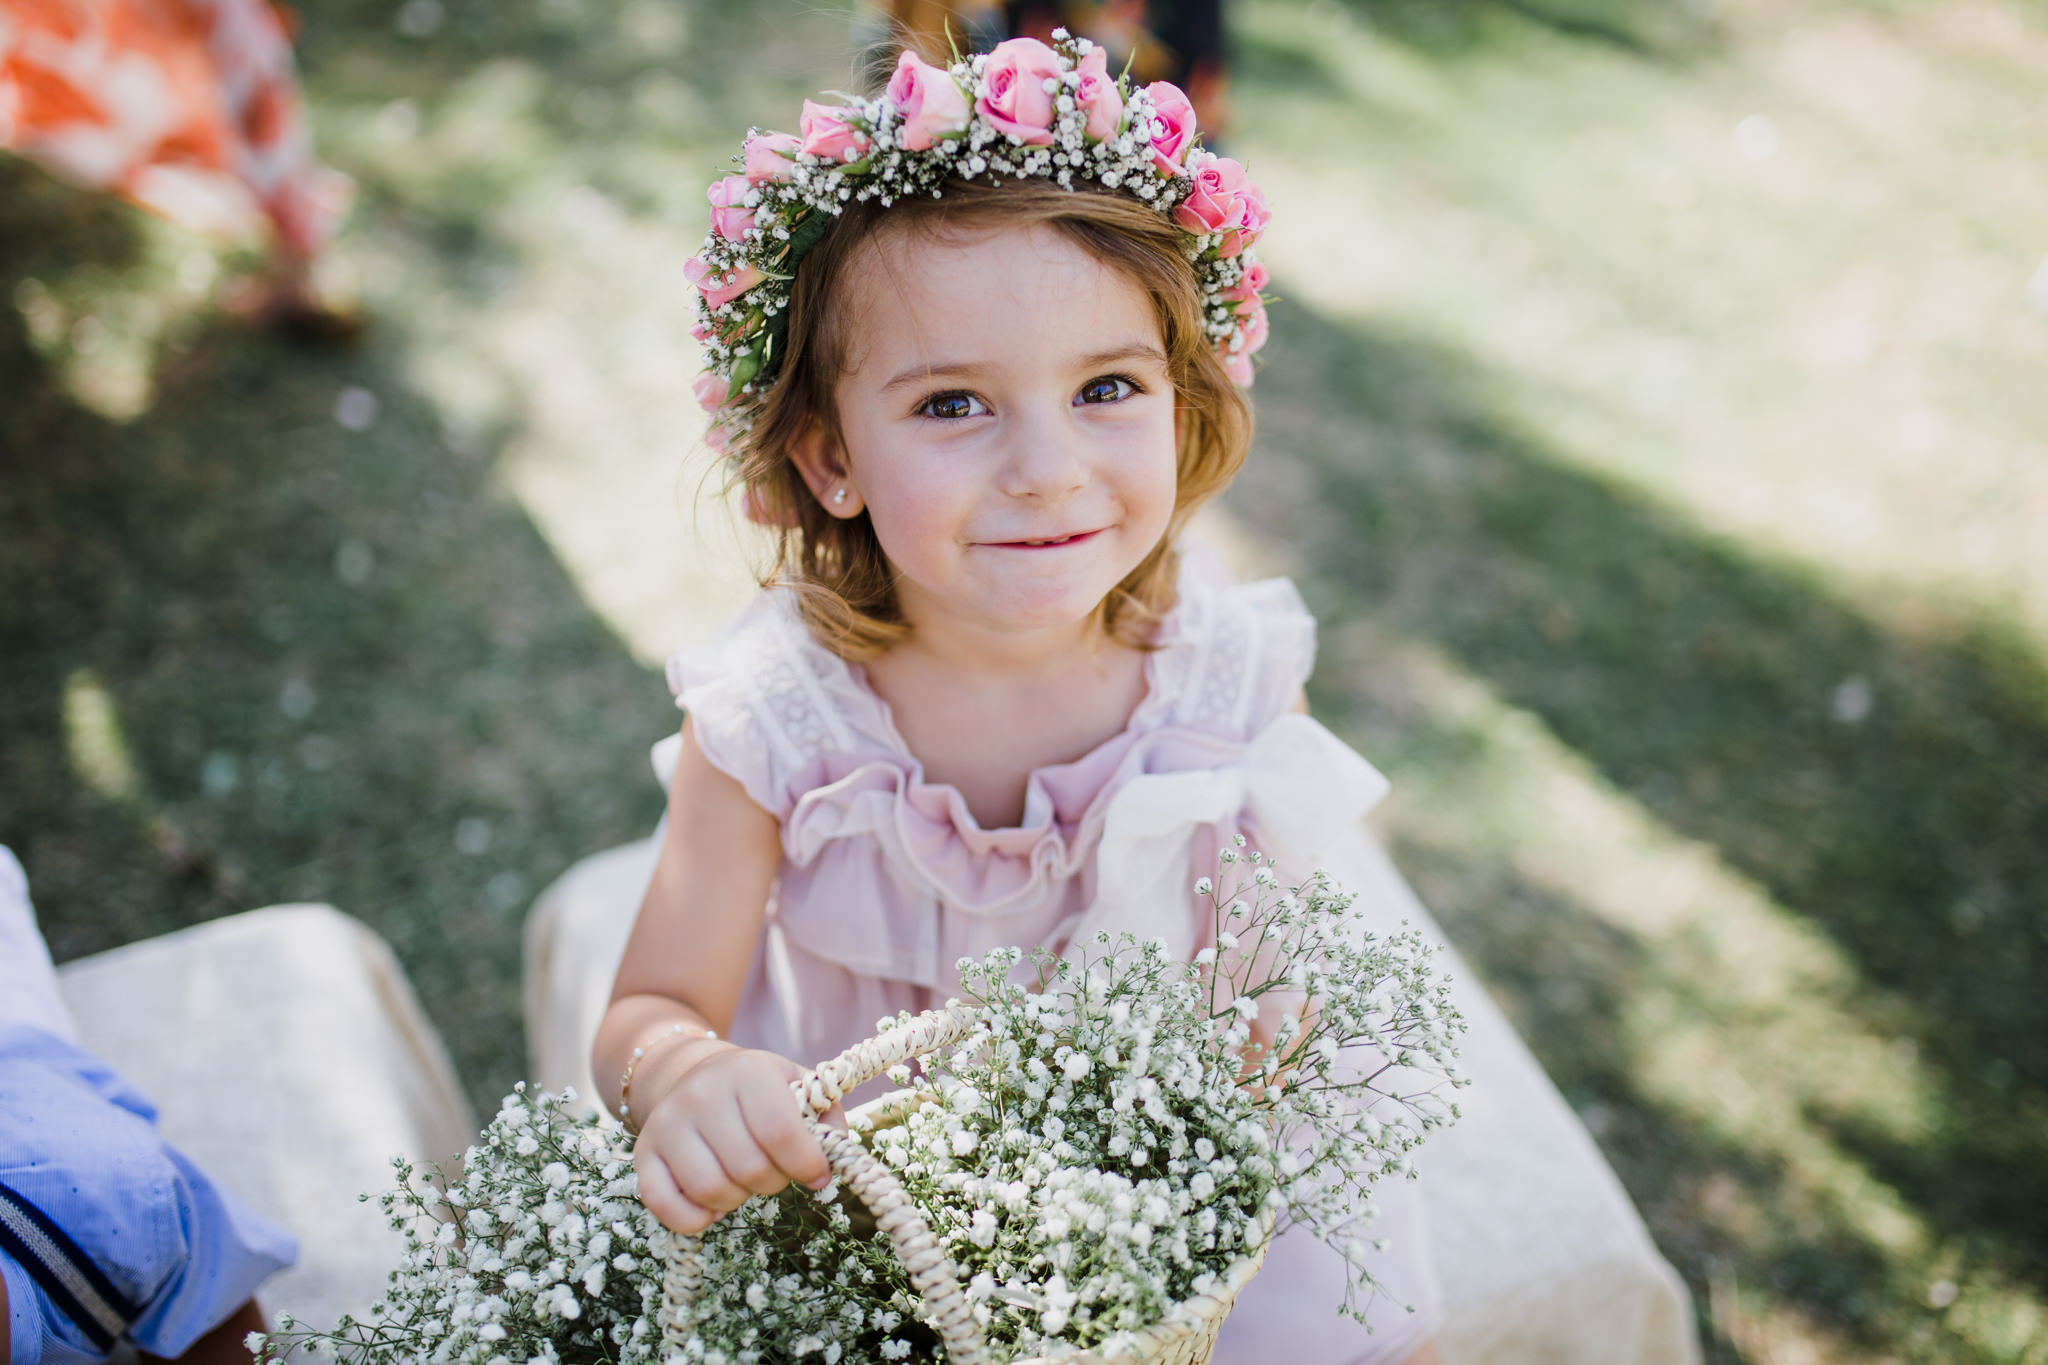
{"x": 1024, "y": 109}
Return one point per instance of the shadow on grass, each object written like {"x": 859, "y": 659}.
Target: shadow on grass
{"x": 1716, "y": 1207}
{"x": 254, "y": 657}
{"x": 1708, "y": 683}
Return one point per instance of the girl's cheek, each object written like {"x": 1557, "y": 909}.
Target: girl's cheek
{"x": 1156, "y": 478}
{"x": 916, "y": 508}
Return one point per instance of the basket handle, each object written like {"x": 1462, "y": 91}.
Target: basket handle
{"x": 871, "y": 1181}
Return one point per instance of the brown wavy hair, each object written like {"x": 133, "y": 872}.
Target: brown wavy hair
{"x": 845, "y": 585}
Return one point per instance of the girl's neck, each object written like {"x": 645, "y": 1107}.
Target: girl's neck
{"x": 976, "y": 653}
{"x": 982, "y": 711}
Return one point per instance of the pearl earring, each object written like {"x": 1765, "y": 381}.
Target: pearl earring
{"x": 839, "y": 497}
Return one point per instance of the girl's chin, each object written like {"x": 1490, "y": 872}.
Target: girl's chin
{"x": 1026, "y": 592}
{"x": 1051, "y": 612}
{"x": 1042, "y": 606}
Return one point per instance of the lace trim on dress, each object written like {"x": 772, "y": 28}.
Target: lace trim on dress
{"x": 1217, "y": 693}
{"x": 1252, "y": 648}
{"x": 791, "y": 698}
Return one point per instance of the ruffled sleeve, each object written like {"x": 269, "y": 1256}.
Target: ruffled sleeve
{"x": 765, "y": 710}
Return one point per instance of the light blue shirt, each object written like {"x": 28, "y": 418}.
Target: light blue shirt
{"x": 81, "y": 1144}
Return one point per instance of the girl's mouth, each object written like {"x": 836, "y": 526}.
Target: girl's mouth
{"x": 1051, "y": 543}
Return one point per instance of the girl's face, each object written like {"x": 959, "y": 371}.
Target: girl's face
{"x": 1008, "y": 424}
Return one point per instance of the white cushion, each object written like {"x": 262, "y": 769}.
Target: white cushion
{"x": 287, "y": 1056}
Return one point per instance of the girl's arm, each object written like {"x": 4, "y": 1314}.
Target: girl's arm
{"x": 717, "y": 1123}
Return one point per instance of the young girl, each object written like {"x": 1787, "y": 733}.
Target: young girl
{"x": 976, "y": 355}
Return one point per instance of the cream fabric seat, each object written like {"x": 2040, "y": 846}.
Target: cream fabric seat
{"x": 288, "y": 1056}
{"x": 1542, "y": 1257}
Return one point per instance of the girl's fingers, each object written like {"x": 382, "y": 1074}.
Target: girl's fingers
{"x": 778, "y": 1129}
{"x": 692, "y": 1155}
{"x": 743, "y": 1162}
{"x": 664, "y": 1199}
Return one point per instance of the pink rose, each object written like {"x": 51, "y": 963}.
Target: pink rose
{"x": 1251, "y": 224}
{"x": 1097, "y": 97}
{"x": 717, "y": 437}
{"x": 768, "y": 157}
{"x": 1017, "y": 102}
{"x": 1175, "y": 118}
{"x": 711, "y": 391}
{"x": 828, "y": 135}
{"x": 730, "y": 216}
{"x": 930, "y": 104}
{"x": 1216, "y": 204}
{"x": 1250, "y": 285}
{"x": 720, "y": 288}
{"x": 1239, "y": 368}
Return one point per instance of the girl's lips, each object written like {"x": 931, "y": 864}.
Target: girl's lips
{"x": 1051, "y": 544}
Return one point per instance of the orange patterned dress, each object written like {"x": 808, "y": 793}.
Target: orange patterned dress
{"x": 188, "y": 107}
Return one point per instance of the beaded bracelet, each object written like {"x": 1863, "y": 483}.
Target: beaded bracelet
{"x": 626, "y": 1080}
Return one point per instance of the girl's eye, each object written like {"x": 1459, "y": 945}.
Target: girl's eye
{"x": 1109, "y": 388}
{"x": 951, "y": 407}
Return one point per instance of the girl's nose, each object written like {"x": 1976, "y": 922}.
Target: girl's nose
{"x": 1044, "y": 461}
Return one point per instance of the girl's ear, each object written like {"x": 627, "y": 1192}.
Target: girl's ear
{"x": 821, "y": 461}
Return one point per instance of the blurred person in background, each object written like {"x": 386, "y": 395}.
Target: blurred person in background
{"x": 109, "y": 1236}
{"x": 190, "y": 108}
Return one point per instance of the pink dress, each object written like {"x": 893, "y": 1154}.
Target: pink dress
{"x": 887, "y": 879}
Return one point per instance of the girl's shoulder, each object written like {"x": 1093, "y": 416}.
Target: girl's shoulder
{"x": 1232, "y": 656}
{"x": 769, "y": 703}
{"x": 780, "y": 712}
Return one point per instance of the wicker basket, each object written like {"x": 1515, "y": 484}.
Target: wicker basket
{"x": 1188, "y": 1339}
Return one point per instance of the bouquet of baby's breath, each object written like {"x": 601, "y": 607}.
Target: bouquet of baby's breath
{"x": 1125, "y": 1128}
{"x": 537, "y": 1249}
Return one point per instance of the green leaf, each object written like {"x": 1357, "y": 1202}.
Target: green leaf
{"x": 807, "y": 234}
{"x": 743, "y": 371}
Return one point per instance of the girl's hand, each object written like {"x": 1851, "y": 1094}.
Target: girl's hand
{"x": 727, "y": 1130}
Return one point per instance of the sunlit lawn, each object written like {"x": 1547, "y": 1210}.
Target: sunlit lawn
{"x": 1654, "y": 419}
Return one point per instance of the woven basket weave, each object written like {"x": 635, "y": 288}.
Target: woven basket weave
{"x": 1186, "y": 1339}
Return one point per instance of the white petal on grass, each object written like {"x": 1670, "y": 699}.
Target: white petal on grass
{"x": 355, "y": 409}
{"x": 2037, "y": 289}
{"x": 1756, "y": 138}
{"x": 1852, "y": 701}
{"x": 398, "y": 121}
{"x": 420, "y": 18}
{"x": 354, "y": 562}
{"x": 221, "y": 773}
{"x": 297, "y": 699}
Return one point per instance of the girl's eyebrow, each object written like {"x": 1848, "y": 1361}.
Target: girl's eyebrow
{"x": 1132, "y": 350}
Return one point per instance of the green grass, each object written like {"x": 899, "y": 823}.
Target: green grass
{"x": 1653, "y": 420}
{"x": 1674, "y": 515}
